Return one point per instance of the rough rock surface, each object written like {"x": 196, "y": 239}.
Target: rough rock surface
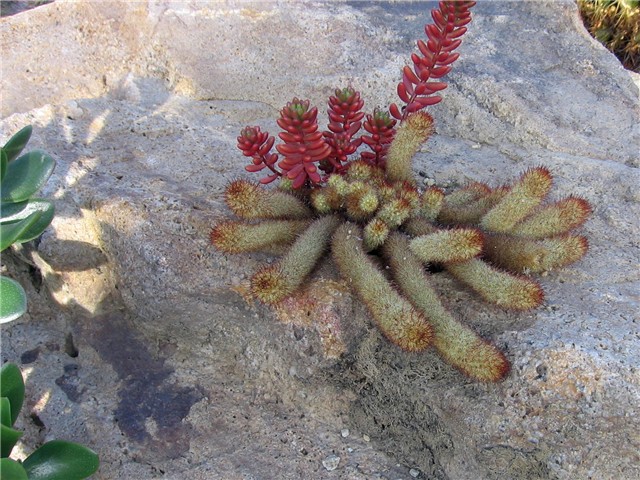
{"x": 137, "y": 343}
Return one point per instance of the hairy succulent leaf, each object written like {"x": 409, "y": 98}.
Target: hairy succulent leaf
{"x": 248, "y": 201}
{"x": 456, "y": 343}
{"x": 236, "y": 237}
{"x": 400, "y": 322}
{"x": 498, "y": 286}
{"x": 275, "y": 282}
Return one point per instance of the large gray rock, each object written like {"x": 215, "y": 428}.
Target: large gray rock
{"x": 141, "y": 347}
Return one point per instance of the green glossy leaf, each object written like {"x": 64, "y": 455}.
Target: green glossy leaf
{"x": 61, "y": 460}
{"x": 12, "y": 470}
{"x": 5, "y": 412}
{"x": 16, "y": 143}
{"x": 8, "y": 438}
{"x": 12, "y": 212}
{"x": 14, "y": 300}
{"x": 26, "y": 175}
{"x": 11, "y": 232}
{"x": 4, "y": 161}
{"x": 12, "y": 387}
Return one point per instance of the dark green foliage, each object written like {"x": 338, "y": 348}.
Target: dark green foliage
{"x": 55, "y": 460}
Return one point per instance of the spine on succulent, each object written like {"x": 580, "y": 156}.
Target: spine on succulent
{"x": 456, "y": 343}
{"x": 470, "y": 213}
{"x": 431, "y": 203}
{"x": 434, "y": 58}
{"x": 467, "y": 194}
{"x": 525, "y": 255}
{"x": 325, "y": 199}
{"x": 361, "y": 202}
{"x": 398, "y": 320}
{"x": 395, "y": 212}
{"x": 363, "y": 171}
{"x": 497, "y": 286}
{"x": 374, "y": 234}
{"x": 257, "y": 145}
{"x": 248, "y": 201}
{"x": 341, "y": 185}
{"x": 236, "y": 237}
{"x": 410, "y": 135}
{"x": 523, "y": 197}
{"x": 444, "y": 246}
{"x": 275, "y": 282}
{"x": 381, "y": 127}
{"x": 407, "y": 191}
{"x": 417, "y": 226}
{"x": 303, "y": 145}
{"x": 555, "y": 219}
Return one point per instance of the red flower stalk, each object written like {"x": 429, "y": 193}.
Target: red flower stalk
{"x": 434, "y": 61}
{"x": 257, "y": 145}
{"x": 344, "y": 115}
{"x": 381, "y": 127}
{"x": 303, "y": 145}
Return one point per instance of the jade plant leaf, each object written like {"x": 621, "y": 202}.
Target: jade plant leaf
{"x": 17, "y": 142}
{"x": 12, "y": 470}
{"x": 5, "y": 412}
{"x": 8, "y": 438}
{"x": 12, "y": 232}
{"x": 12, "y": 386}
{"x": 26, "y": 175}
{"x": 13, "y": 212}
{"x": 61, "y": 460}
{"x": 14, "y": 300}
{"x": 4, "y": 161}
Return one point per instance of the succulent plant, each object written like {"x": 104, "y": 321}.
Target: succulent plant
{"x": 382, "y": 229}
{"x": 22, "y": 216}
{"x": 54, "y": 460}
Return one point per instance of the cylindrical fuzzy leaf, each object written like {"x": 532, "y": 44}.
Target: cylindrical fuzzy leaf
{"x": 361, "y": 202}
{"x": 276, "y": 282}
{"x": 497, "y": 286}
{"x": 446, "y": 246}
{"x": 471, "y": 212}
{"x": 375, "y": 233}
{"x": 419, "y": 226}
{"x": 395, "y": 211}
{"x": 525, "y": 195}
{"x": 237, "y": 237}
{"x": 431, "y": 203}
{"x": 250, "y": 201}
{"x": 411, "y": 133}
{"x": 325, "y": 199}
{"x": 398, "y": 320}
{"x": 360, "y": 170}
{"x": 554, "y": 219}
{"x": 467, "y": 194}
{"x": 524, "y": 255}
{"x": 459, "y": 345}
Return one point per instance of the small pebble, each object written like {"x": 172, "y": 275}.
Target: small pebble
{"x": 366, "y": 438}
{"x": 331, "y": 462}
{"x": 344, "y": 432}
{"x": 414, "y": 472}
